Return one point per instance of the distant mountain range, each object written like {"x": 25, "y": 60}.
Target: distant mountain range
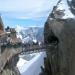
{"x": 29, "y": 34}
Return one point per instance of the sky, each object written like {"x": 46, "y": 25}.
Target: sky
{"x": 25, "y": 12}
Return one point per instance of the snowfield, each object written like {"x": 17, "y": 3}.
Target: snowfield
{"x": 31, "y": 67}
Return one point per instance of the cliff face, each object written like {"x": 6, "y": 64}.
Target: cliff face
{"x": 1, "y": 25}
{"x": 62, "y": 31}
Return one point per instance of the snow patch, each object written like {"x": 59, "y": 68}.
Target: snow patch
{"x": 64, "y": 6}
{"x": 21, "y": 62}
{"x": 34, "y": 40}
{"x": 32, "y": 67}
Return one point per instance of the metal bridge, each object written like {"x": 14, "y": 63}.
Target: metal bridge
{"x": 36, "y": 48}
{"x": 22, "y": 49}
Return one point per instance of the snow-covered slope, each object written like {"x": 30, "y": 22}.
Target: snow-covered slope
{"x": 31, "y": 67}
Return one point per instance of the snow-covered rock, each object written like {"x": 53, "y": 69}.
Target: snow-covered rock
{"x": 63, "y": 6}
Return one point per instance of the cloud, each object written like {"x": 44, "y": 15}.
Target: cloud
{"x": 26, "y": 9}
{"x": 22, "y": 5}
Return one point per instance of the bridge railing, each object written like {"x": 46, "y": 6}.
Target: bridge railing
{"x": 37, "y": 48}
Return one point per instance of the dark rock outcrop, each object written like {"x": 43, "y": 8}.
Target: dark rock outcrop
{"x": 63, "y": 32}
{"x": 1, "y": 24}
{"x": 71, "y": 4}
